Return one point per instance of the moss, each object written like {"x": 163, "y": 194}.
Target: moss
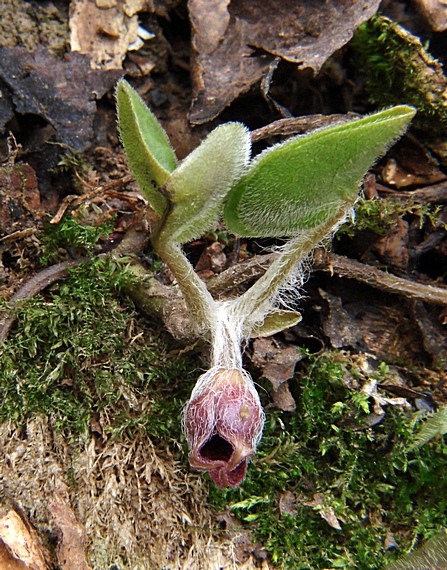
{"x": 81, "y": 350}
{"x": 399, "y": 70}
{"x": 72, "y": 235}
{"x": 379, "y": 215}
{"x": 364, "y": 476}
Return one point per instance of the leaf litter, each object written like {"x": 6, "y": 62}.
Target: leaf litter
{"x": 131, "y": 492}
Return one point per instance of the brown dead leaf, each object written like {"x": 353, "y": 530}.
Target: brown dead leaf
{"x": 287, "y": 504}
{"x": 278, "y": 366}
{"x": 410, "y": 163}
{"x": 235, "y": 42}
{"x": 339, "y": 326}
{"x": 63, "y": 92}
{"x": 20, "y": 547}
{"x": 325, "y": 511}
{"x": 104, "y": 29}
{"x": 434, "y": 338}
{"x": 392, "y": 248}
{"x": 70, "y": 548}
{"x": 213, "y": 259}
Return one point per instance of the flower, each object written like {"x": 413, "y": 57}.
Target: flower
{"x": 223, "y": 424}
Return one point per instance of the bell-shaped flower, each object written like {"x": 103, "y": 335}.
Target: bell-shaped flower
{"x": 223, "y": 424}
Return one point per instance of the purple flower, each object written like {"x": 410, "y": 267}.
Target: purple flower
{"x": 223, "y": 424}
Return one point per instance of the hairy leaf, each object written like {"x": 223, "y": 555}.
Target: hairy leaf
{"x": 433, "y": 426}
{"x": 199, "y": 186}
{"x": 301, "y": 183}
{"x": 148, "y": 150}
{"x": 276, "y": 322}
{"x": 432, "y": 556}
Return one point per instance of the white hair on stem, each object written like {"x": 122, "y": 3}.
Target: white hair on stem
{"x": 286, "y": 274}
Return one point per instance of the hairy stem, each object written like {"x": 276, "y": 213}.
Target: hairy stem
{"x": 254, "y": 304}
{"x": 199, "y": 300}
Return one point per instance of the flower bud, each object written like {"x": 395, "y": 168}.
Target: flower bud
{"x": 223, "y": 424}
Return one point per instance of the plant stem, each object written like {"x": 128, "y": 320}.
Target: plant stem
{"x": 254, "y": 304}
{"x": 199, "y": 300}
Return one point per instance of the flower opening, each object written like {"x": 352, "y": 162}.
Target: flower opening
{"x": 223, "y": 424}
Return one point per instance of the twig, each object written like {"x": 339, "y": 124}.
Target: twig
{"x": 299, "y": 125}
{"x": 245, "y": 272}
{"x": 434, "y": 194}
{"x": 352, "y": 269}
{"x": 239, "y": 275}
{"x": 74, "y": 200}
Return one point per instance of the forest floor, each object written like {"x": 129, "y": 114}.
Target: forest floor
{"x": 94, "y": 467}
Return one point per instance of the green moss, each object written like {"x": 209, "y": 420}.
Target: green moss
{"x": 81, "y": 351}
{"x": 399, "y": 70}
{"x": 379, "y": 215}
{"x": 73, "y": 235}
{"x": 363, "y": 475}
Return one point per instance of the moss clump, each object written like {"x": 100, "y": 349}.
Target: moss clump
{"x": 399, "y": 70}
{"x": 72, "y": 235}
{"x": 81, "y": 352}
{"x": 323, "y": 459}
{"x": 379, "y": 215}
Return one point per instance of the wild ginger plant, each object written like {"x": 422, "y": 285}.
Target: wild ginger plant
{"x": 301, "y": 189}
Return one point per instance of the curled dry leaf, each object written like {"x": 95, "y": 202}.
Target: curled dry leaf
{"x": 235, "y": 42}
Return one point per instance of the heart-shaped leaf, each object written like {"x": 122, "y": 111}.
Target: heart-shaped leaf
{"x": 199, "y": 186}
{"x": 148, "y": 150}
{"x": 301, "y": 183}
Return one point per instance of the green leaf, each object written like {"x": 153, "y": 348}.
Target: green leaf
{"x": 148, "y": 150}
{"x": 433, "y": 426}
{"x": 276, "y": 322}
{"x": 199, "y": 186}
{"x": 301, "y": 183}
{"x": 432, "y": 556}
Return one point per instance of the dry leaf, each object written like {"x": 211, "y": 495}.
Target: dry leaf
{"x": 277, "y": 365}
{"x": 392, "y": 248}
{"x": 325, "y": 511}
{"x": 63, "y": 92}
{"x": 70, "y": 548}
{"x": 235, "y": 42}
{"x": 339, "y": 326}
{"x": 287, "y": 504}
{"x": 435, "y": 12}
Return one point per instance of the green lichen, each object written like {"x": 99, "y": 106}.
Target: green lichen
{"x": 400, "y": 70}
{"x": 365, "y": 475}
